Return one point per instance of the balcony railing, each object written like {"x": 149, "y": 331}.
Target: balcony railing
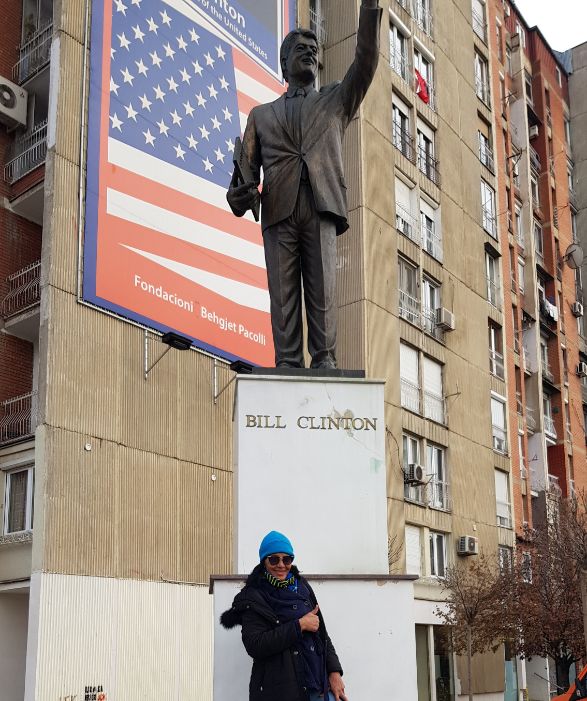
{"x": 428, "y": 165}
{"x": 439, "y": 495}
{"x": 547, "y": 372}
{"x": 486, "y": 157}
{"x": 573, "y": 197}
{"x": 434, "y": 406}
{"x": 423, "y": 16}
{"x": 480, "y": 26}
{"x": 555, "y": 216}
{"x": 488, "y": 221}
{"x": 16, "y": 418}
{"x": 534, "y": 159}
{"x": 34, "y": 54}
{"x": 504, "y": 514}
{"x": 318, "y": 26}
{"x": 409, "y": 308}
{"x": 400, "y": 64}
{"x": 483, "y": 91}
{"x": 496, "y": 366}
{"x": 410, "y": 395}
{"x": 554, "y": 486}
{"x": 415, "y": 492}
{"x": 530, "y": 420}
{"x": 23, "y": 290}
{"x": 27, "y": 153}
{"x": 404, "y": 142}
{"x": 431, "y": 242}
{"x": 500, "y": 444}
{"x": 549, "y": 427}
{"x": 519, "y": 403}
{"x": 493, "y": 293}
{"x": 406, "y": 223}
{"x": 429, "y": 324}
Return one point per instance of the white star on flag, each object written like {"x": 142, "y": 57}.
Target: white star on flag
{"x": 182, "y": 44}
{"x": 215, "y": 123}
{"x": 139, "y": 34}
{"x": 205, "y": 133}
{"x": 192, "y": 142}
{"x": 128, "y": 78}
{"x": 227, "y": 115}
{"x": 180, "y": 152}
{"x": 224, "y": 83}
{"x": 172, "y": 84}
{"x": 149, "y": 138}
{"x": 189, "y": 110}
{"x": 120, "y": 7}
{"x": 185, "y": 76}
{"x": 124, "y": 42}
{"x": 221, "y": 53}
{"x": 201, "y": 100}
{"x": 142, "y": 69}
{"x": 209, "y": 59}
{"x": 116, "y": 123}
{"x": 155, "y": 58}
{"x": 145, "y": 103}
{"x": 230, "y": 145}
{"x": 165, "y": 18}
{"x": 197, "y": 68}
{"x": 137, "y": 3}
{"x": 208, "y": 165}
{"x": 175, "y": 117}
{"x": 152, "y": 26}
{"x": 213, "y": 92}
{"x": 163, "y": 128}
{"x": 159, "y": 94}
{"x": 219, "y": 155}
{"x": 113, "y": 86}
{"x": 169, "y": 52}
{"x": 131, "y": 113}
{"x": 194, "y": 36}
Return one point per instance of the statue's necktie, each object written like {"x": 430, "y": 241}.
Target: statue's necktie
{"x": 295, "y": 115}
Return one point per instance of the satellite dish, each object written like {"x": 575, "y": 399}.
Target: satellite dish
{"x": 574, "y": 256}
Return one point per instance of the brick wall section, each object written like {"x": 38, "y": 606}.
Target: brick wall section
{"x": 20, "y": 240}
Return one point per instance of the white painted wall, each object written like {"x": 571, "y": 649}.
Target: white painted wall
{"x": 138, "y": 640}
{"x": 325, "y": 489}
{"x": 371, "y": 626}
{"x": 537, "y": 675}
{"x": 13, "y": 636}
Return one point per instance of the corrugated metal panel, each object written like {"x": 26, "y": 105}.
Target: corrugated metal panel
{"x": 119, "y": 512}
{"x": 70, "y": 90}
{"x": 351, "y": 338}
{"x": 138, "y": 640}
{"x": 351, "y": 149}
{"x": 71, "y": 18}
{"x": 341, "y": 17}
{"x": 350, "y": 264}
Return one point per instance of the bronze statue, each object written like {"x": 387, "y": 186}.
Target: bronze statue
{"x": 297, "y": 140}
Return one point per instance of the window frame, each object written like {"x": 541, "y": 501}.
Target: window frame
{"x": 28, "y": 506}
{"x": 437, "y": 568}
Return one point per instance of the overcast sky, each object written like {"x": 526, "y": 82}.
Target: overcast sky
{"x": 563, "y": 23}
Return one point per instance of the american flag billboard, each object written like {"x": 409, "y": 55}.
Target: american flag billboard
{"x": 171, "y": 85}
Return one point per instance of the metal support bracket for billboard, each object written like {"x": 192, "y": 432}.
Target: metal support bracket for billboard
{"x": 216, "y": 394}
{"x": 148, "y": 368}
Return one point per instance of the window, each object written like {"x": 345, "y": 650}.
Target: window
{"x": 409, "y": 378}
{"x": 433, "y": 394}
{"x": 424, "y": 79}
{"x": 549, "y": 427}
{"x": 502, "y": 499}
{"x": 398, "y": 52}
{"x": 437, "y": 543}
{"x": 523, "y": 471}
{"x": 528, "y": 83}
{"x": 402, "y": 139}
{"x": 485, "y": 150}
{"x": 546, "y": 372}
{"x": 431, "y": 238}
{"x": 482, "y": 79}
{"x": 423, "y": 16}
{"x": 488, "y": 209}
{"x": 538, "y": 242}
{"x": 496, "y": 366}
{"x": 430, "y": 303}
{"x": 526, "y": 568}
{"x": 479, "y": 24}
{"x": 492, "y": 276}
{"x": 522, "y": 34}
{"x": 505, "y": 558}
{"x": 559, "y": 76}
{"x": 411, "y": 456}
{"x": 534, "y": 190}
{"x": 409, "y": 303}
{"x": 508, "y": 60}
{"x": 519, "y": 226}
{"x": 568, "y": 131}
{"x": 499, "y": 40}
{"x": 498, "y": 423}
{"x": 426, "y": 161}
{"x": 18, "y": 500}
{"x": 413, "y": 550}
{"x": 438, "y": 488}
{"x": 521, "y": 274}
{"x": 405, "y": 221}
{"x": 36, "y": 14}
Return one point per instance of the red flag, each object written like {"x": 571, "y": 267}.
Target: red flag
{"x": 422, "y": 88}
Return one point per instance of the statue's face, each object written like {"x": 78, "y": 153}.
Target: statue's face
{"x": 301, "y": 64}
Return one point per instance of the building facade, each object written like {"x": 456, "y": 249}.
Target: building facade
{"x": 118, "y": 483}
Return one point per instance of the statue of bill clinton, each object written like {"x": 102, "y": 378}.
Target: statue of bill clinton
{"x": 297, "y": 140}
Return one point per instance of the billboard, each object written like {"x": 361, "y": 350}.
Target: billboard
{"x": 171, "y": 85}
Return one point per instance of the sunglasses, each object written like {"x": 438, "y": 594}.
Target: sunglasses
{"x": 274, "y": 560}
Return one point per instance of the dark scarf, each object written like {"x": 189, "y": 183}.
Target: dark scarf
{"x": 290, "y": 601}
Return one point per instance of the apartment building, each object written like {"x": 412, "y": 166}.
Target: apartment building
{"x": 117, "y": 462}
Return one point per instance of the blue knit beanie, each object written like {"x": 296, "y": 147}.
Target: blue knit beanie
{"x": 275, "y": 542}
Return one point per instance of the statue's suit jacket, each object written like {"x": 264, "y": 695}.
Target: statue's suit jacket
{"x": 268, "y": 142}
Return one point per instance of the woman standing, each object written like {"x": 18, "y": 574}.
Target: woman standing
{"x": 283, "y": 631}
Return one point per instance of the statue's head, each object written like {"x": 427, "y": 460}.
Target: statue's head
{"x": 299, "y": 56}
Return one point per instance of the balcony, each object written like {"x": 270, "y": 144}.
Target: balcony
{"x": 504, "y": 514}
{"x": 431, "y": 241}
{"x": 410, "y": 395}
{"x": 318, "y": 26}
{"x": 496, "y": 366}
{"x": 34, "y": 54}
{"x": 530, "y": 420}
{"x": 439, "y": 495}
{"x": 400, "y": 64}
{"x": 429, "y": 324}
{"x": 479, "y": 26}
{"x": 549, "y": 427}
{"x": 404, "y": 142}
{"x": 500, "y": 443}
{"x": 493, "y": 293}
{"x": 423, "y": 16}
{"x": 434, "y": 406}
{"x": 17, "y": 419}
{"x": 554, "y": 486}
{"x": 572, "y": 197}
{"x": 555, "y": 216}
{"x": 406, "y": 223}
{"x": 534, "y": 160}
{"x": 486, "y": 157}
{"x": 415, "y": 493}
{"x": 482, "y": 90}
{"x": 488, "y": 221}
{"x": 547, "y": 373}
{"x": 23, "y": 290}
{"x": 409, "y": 308}
{"x": 27, "y": 153}
{"x": 428, "y": 165}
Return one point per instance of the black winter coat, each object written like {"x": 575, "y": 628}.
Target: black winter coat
{"x": 278, "y": 672}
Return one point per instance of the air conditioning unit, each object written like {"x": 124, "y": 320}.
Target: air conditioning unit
{"x": 445, "y": 319}
{"x": 414, "y": 474}
{"x": 468, "y": 545}
{"x": 582, "y": 369}
{"x": 533, "y": 131}
{"x": 13, "y": 104}
{"x": 577, "y": 309}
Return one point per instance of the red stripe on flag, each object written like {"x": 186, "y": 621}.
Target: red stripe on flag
{"x": 127, "y": 233}
{"x": 165, "y": 197}
{"x": 245, "y": 64}
{"x": 246, "y": 103}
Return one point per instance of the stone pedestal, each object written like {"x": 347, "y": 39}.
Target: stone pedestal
{"x": 310, "y": 462}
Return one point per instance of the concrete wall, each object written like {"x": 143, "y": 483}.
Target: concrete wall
{"x": 14, "y": 609}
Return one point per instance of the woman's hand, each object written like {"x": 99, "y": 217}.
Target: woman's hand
{"x": 310, "y": 622}
{"x": 337, "y": 686}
